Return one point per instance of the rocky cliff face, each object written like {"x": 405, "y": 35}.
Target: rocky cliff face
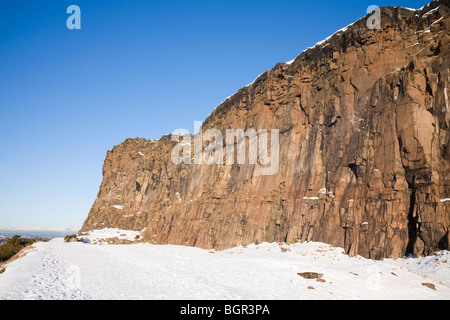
{"x": 364, "y": 153}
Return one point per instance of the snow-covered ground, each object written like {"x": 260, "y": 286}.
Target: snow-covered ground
{"x": 103, "y": 235}
{"x": 59, "y": 270}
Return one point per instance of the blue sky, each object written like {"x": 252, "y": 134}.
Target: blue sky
{"x": 135, "y": 69}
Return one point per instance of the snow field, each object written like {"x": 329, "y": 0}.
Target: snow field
{"x": 59, "y": 270}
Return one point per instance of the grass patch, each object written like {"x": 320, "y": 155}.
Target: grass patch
{"x": 68, "y": 238}
{"x": 126, "y": 141}
{"x": 12, "y": 246}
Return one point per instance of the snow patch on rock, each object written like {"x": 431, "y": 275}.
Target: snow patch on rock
{"x": 103, "y": 235}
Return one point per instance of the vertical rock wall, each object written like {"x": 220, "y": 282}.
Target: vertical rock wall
{"x": 364, "y": 152}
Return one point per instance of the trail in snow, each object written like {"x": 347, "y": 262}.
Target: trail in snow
{"x": 58, "y": 270}
{"x": 43, "y": 275}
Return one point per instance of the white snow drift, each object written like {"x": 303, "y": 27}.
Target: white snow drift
{"x": 58, "y": 270}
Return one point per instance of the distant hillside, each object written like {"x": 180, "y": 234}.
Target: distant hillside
{"x": 6, "y": 233}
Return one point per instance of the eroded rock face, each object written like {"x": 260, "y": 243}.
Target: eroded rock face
{"x": 364, "y": 152}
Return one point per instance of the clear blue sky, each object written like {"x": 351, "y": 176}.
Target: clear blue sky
{"x": 135, "y": 69}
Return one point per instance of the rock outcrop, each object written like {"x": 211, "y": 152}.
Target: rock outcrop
{"x": 364, "y": 152}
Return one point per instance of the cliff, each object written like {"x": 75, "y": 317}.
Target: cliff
{"x": 364, "y": 152}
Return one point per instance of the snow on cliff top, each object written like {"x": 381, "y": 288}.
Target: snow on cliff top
{"x": 323, "y": 42}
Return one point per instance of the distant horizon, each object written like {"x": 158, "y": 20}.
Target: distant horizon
{"x": 36, "y": 232}
{"x": 38, "y": 229}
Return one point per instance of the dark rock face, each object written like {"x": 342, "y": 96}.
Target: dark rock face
{"x": 364, "y": 152}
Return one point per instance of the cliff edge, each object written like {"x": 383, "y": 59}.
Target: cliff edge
{"x": 364, "y": 152}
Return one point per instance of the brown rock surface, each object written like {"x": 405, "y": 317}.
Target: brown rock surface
{"x": 363, "y": 115}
